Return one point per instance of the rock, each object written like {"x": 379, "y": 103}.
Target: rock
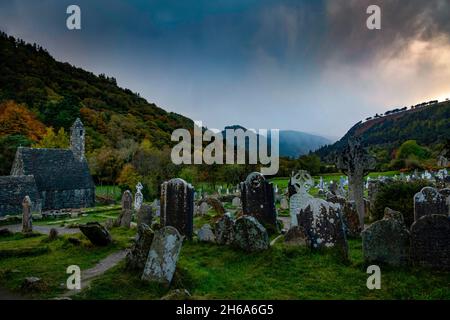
{"x": 296, "y": 236}
{"x": 177, "y": 294}
{"x": 429, "y": 201}
{"x": 137, "y": 256}
{"x": 5, "y": 232}
{"x": 96, "y": 233}
{"x": 163, "y": 256}
{"x": 387, "y": 241}
{"x": 33, "y": 284}
{"x": 250, "y": 235}
{"x": 430, "y": 242}
{"x": 224, "y": 230}
{"x": 206, "y": 234}
{"x": 145, "y": 215}
{"x": 53, "y": 234}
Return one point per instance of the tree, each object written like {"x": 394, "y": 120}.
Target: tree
{"x": 52, "y": 140}
{"x": 128, "y": 178}
{"x": 8, "y": 147}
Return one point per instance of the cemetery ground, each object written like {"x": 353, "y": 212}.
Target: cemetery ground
{"x": 208, "y": 271}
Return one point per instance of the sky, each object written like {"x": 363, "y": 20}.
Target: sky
{"x": 306, "y": 65}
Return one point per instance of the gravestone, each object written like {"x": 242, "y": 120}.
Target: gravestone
{"x": 387, "y": 240}
{"x": 224, "y": 230}
{"x": 27, "y": 217}
{"x": 430, "y": 242}
{"x": 429, "y": 201}
{"x": 296, "y": 235}
{"x": 177, "y": 206}
{"x": 203, "y": 209}
{"x": 138, "y": 197}
{"x": 144, "y": 215}
{"x": 300, "y": 198}
{"x": 284, "y": 203}
{"x": 137, "y": 256}
{"x": 355, "y": 162}
{"x": 250, "y": 235}
{"x": 206, "y": 234}
{"x": 96, "y": 233}
{"x": 163, "y": 256}
{"x": 236, "y": 202}
{"x": 124, "y": 219}
{"x": 322, "y": 222}
{"x": 257, "y": 197}
{"x": 351, "y": 219}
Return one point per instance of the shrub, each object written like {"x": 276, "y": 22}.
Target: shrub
{"x": 398, "y": 196}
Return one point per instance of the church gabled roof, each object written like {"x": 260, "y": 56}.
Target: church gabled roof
{"x": 53, "y": 169}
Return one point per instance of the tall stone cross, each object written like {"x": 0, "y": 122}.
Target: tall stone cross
{"x": 138, "y": 197}
{"x": 27, "y": 218}
{"x": 355, "y": 162}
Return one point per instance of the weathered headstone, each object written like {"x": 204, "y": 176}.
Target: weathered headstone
{"x": 300, "y": 198}
{"x": 323, "y": 224}
{"x": 250, "y": 235}
{"x": 144, "y": 215}
{"x": 224, "y": 229}
{"x": 206, "y": 234}
{"x": 296, "y": 235}
{"x": 430, "y": 242}
{"x": 236, "y": 202}
{"x": 138, "y": 197}
{"x": 355, "y": 162}
{"x": 284, "y": 203}
{"x": 387, "y": 240}
{"x": 257, "y": 197}
{"x": 27, "y": 218}
{"x": 429, "y": 201}
{"x": 203, "y": 209}
{"x": 124, "y": 219}
{"x": 446, "y": 194}
{"x": 137, "y": 256}
{"x": 177, "y": 206}
{"x": 96, "y": 233}
{"x": 163, "y": 256}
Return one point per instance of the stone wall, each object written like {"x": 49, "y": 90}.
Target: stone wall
{"x": 13, "y": 190}
{"x": 62, "y": 199}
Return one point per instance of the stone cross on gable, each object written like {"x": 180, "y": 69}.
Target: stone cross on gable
{"x": 355, "y": 162}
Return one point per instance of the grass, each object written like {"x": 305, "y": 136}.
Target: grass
{"x": 215, "y": 272}
{"x": 38, "y": 257}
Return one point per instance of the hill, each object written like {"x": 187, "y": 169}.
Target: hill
{"x": 42, "y": 92}
{"x": 429, "y": 125}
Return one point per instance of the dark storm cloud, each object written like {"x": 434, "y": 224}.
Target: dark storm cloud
{"x": 309, "y": 65}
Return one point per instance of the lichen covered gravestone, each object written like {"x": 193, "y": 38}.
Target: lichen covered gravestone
{"x": 351, "y": 219}
{"x": 206, "y": 234}
{"x": 250, "y": 235}
{"x": 137, "y": 256}
{"x": 387, "y": 240}
{"x": 224, "y": 230}
{"x": 430, "y": 242}
{"x": 324, "y": 227}
{"x": 429, "y": 201}
{"x": 163, "y": 256}
{"x": 258, "y": 200}
{"x": 96, "y": 233}
{"x": 124, "y": 219}
{"x": 27, "y": 218}
{"x": 177, "y": 206}
{"x": 355, "y": 162}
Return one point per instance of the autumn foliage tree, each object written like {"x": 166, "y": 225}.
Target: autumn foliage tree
{"x": 16, "y": 119}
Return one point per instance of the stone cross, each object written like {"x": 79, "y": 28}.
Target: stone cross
{"x": 138, "y": 197}
{"x": 356, "y": 162}
{"x": 300, "y": 182}
{"x": 27, "y": 218}
{"x": 177, "y": 206}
